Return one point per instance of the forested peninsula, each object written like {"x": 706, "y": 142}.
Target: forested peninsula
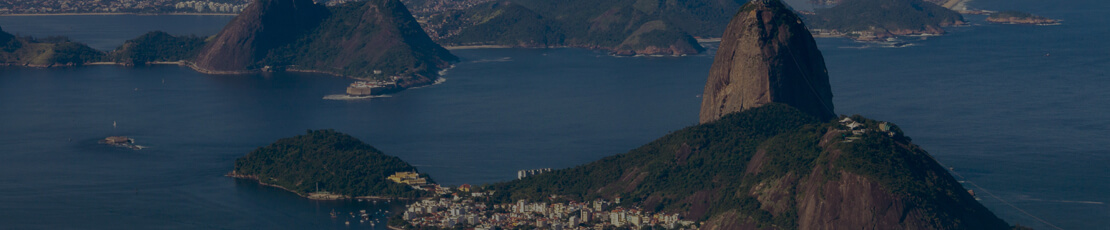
{"x": 325, "y": 164}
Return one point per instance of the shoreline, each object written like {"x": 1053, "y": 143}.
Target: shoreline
{"x": 113, "y": 14}
{"x": 310, "y": 196}
{"x": 478, "y": 47}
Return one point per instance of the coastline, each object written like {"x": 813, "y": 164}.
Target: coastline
{"x": 310, "y": 196}
{"x": 478, "y": 47}
{"x": 111, "y": 14}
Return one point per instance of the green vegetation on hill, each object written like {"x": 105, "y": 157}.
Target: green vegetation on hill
{"x": 883, "y": 15}
{"x": 157, "y": 46}
{"x": 48, "y": 51}
{"x": 707, "y": 158}
{"x": 337, "y": 162}
{"x": 764, "y": 165}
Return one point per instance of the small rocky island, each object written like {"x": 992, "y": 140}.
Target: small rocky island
{"x": 1017, "y": 17}
{"x": 122, "y": 142}
{"x": 329, "y": 165}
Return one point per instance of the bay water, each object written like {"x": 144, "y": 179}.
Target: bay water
{"x": 1017, "y": 112}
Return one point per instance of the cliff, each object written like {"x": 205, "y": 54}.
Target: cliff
{"x": 767, "y": 55}
{"x": 262, "y": 26}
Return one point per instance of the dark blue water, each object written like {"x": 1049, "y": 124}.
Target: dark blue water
{"x": 985, "y": 100}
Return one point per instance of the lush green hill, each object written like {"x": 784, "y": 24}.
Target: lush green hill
{"x": 337, "y": 162}
{"x": 157, "y": 46}
{"x": 774, "y": 167}
{"x": 50, "y": 51}
{"x": 885, "y": 17}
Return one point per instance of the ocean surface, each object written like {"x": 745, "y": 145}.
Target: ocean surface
{"x": 1018, "y": 112}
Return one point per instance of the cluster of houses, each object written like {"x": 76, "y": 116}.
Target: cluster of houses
{"x": 857, "y": 129}
{"x": 598, "y": 214}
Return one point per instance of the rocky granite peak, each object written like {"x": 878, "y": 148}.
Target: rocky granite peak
{"x": 262, "y": 26}
{"x": 767, "y": 55}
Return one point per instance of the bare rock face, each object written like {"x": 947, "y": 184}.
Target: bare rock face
{"x": 262, "y": 26}
{"x": 767, "y": 55}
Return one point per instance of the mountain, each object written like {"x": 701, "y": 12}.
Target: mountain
{"x": 879, "y": 19}
{"x": 361, "y": 39}
{"x": 375, "y": 39}
{"x": 773, "y": 166}
{"x": 44, "y": 52}
{"x": 325, "y": 160}
{"x": 767, "y": 55}
{"x": 262, "y": 26}
{"x": 627, "y": 27}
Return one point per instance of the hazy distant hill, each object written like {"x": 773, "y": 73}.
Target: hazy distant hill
{"x": 885, "y": 18}
{"x": 621, "y": 26}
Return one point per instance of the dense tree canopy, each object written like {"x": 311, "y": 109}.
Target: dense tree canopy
{"x": 336, "y": 162}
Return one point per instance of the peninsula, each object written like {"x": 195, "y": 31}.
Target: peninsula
{"x": 325, "y": 164}
{"x": 783, "y": 162}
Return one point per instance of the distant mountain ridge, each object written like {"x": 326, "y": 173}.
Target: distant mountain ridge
{"x": 626, "y": 27}
{"x": 880, "y": 19}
